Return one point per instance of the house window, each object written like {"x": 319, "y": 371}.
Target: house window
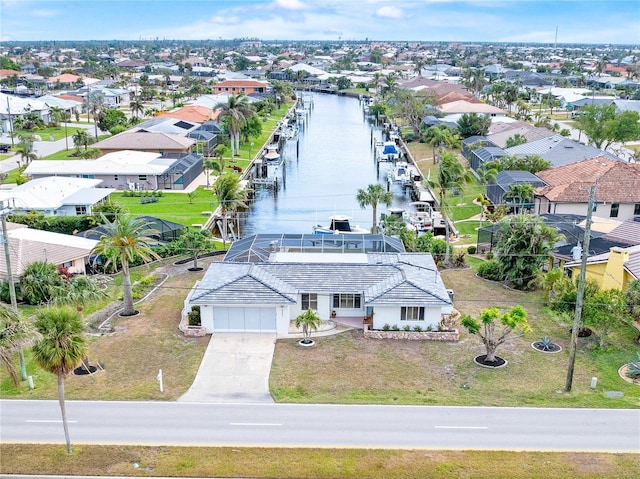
{"x": 614, "y": 210}
{"x": 636, "y": 210}
{"x": 346, "y": 301}
{"x": 115, "y": 177}
{"x": 142, "y": 177}
{"x": 309, "y": 301}
{"x": 81, "y": 210}
{"x": 412, "y": 313}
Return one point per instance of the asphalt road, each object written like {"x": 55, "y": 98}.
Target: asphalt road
{"x": 172, "y": 423}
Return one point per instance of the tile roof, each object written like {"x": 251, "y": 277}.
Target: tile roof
{"x": 628, "y": 232}
{"x": 145, "y": 141}
{"x": 194, "y": 113}
{"x": 559, "y": 150}
{"x": 617, "y": 181}
{"x": 464, "y": 106}
{"x": 386, "y": 279}
{"x": 27, "y": 245}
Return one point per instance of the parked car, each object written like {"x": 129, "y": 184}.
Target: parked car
{"x": 5, "y": 148}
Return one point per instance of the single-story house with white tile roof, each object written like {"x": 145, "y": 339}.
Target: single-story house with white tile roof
{"x": 27, "y": 245}
{"x": 56, "y": 196}
{"x": 125, "y": 170}
{"x": 398, "y": 289}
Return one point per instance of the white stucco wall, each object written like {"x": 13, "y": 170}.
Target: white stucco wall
{"x": 391, "y": 316}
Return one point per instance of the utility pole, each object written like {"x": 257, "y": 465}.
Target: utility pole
{"x": 12, "y": 287}
{"x": 580, "y": 295}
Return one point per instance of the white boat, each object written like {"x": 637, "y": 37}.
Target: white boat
{"x": 389, "y": 151}
{"x": 339, "y": 224}
{"x": 419, "y": 216}
{"x": 400, "y": 173}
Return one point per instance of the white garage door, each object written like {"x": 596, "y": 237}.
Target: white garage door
{"x": 238, "y": 320}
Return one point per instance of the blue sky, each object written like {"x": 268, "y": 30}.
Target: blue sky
{"x": 439, "y": 20}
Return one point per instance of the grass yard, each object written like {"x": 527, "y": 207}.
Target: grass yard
{"x": 346, "y": 368}
{"x": 175, "y": 207}
{"x": 132, "y": 355}
{"x": 307, "y": 463}
{"x": 45, "y": 133}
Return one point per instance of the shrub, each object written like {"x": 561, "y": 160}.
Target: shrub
{"x": 386, "y": 327}
{"x": 194, "y": 316}
{"x": 458, "y": 260}
{"x": 417, "y": 329}
{"x": 395, "y": 327}
{"x": 633, "y": 369}
{"x": 407, "y": 328}
{"x": 489, "y": 255}
{"x": 471, "y": 249}
{"x": 491, "y": 270}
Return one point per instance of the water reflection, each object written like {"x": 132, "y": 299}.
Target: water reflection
{"x": 335, "y": 160}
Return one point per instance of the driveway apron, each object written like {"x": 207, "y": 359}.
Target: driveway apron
{"x": 235, "y": 369}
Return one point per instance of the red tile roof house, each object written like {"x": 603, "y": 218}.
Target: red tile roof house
{"x": 241, "y": 86}
{"x": 617, "y": 193}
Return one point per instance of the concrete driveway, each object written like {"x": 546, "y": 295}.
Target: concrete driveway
{"x": 235, "y": 369}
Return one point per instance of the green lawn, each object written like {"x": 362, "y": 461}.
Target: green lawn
{"x": 310, "y": 463}
{"x": 175, "y": 207}
{"x": 44, "y": 133}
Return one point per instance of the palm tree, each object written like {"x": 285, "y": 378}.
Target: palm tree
{"x": 236, "y": 111}
{"x": 523, "y": 192}
{"x": 231, "y": 197}
{"x": 15, "y": 334}
{"x": 60, "y": 349}
{"x": 389, "y": 84}
{"x": 136, "y": 106}
{"x": 79, "y": 290}
{"x": 438, "y": 137}
{"x": 373, "y": 195}
{"x": 124, "y": 239}
{"x": 25, "y": 149}
{"x": 209, "y": 166}
{"x": 450, "y": 175}
{"x": 309, "y": 320}
{"x": 81, "y": 138}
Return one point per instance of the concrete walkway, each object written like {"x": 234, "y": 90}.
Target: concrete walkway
{"x": 235, "y": 369}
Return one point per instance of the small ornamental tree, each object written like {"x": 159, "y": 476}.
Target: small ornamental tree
{"x": 489, "y": 330}
{"x": 309, "y": 320}
{"x": 196, "y": 241}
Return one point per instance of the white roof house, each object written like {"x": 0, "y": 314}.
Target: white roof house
{"x": 56, "y": 195}
{"x": 126, "y": 169}
{"x": 402, "y": 289}
{"x": 119, "y": 162}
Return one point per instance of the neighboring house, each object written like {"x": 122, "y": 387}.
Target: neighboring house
{"x": 498, "y": 189}
{"x": 206, "y": 141}
{"x": 66, "y": 80}
{"x": 126, "y": 170}
{"x": 248, "y": 87}
{"x": 56, "y": 196}
{"x": 147, "y": 141}
{"x": 614, "y": 269}
{"x": 559, "y": 151}
{"x": 12, "y": 106}
{"x": 465, "y": 106}
{"x": 191, "y": 113}
{"x": 530, "y": 132}
{"x": 398, "y": 289}
{"x": 617, "y": 193}
{"x": 28, "y": 245}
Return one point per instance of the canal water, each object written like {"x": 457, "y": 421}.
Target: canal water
{"x": 335, "y": 159}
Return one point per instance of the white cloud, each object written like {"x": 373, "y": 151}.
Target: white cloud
{"x": 390, "y": 12}
{"x": 44, "y": 13}
{"x": 290, "y": 5}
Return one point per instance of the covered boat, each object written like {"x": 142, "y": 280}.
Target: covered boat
{"x": 339, "y": 224}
